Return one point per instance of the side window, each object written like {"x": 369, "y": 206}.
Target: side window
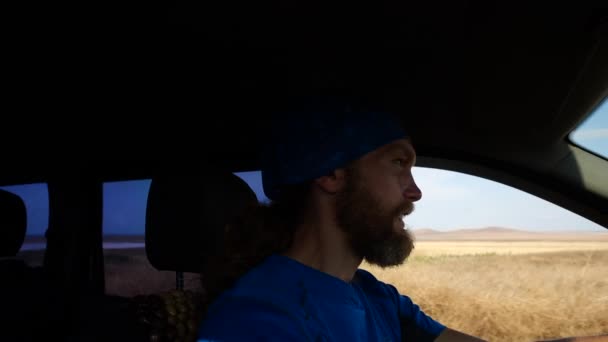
{"x": 36, "y": 199}
{"x": 592, "y": 134}
{"x": 127, "y": 269}
{"x": 254, "y": 180}
{"x": 496, "y": 262}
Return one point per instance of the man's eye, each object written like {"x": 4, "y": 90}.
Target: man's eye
{"x": 399, "y": 161}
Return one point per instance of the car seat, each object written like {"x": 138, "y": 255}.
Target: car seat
{"x": 185, "y": 221}
{"x": 27, "y": 300}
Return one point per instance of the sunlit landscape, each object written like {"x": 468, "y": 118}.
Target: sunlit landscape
{"x": 513, "y": 289}
{"x": 499, "y": 284}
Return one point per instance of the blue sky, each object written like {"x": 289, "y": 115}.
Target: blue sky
{"x": 450, "y": 200}
{"x": 454, "y": 200}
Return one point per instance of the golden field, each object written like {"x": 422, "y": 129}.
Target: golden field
{"x": 509, "y": 290}
{"x": 451, "y": 248}
{"x": 496, "y": 284}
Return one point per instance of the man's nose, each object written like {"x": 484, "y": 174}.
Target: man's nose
{"x": 412, "y": 192}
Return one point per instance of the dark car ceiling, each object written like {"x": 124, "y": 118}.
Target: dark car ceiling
{"x": 498, "y": 82}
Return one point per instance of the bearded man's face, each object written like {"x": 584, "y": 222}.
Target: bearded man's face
{"x": 375, "y": 228}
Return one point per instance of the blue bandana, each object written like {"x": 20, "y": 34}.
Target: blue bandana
{"x": 312, "y": 143}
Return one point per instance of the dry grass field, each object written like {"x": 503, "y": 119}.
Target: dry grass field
{"x": 129, "y": 273}
{"x": 496, "y": 284}
{"x": 509, "y": 290}
{"x": 452, "y": 248}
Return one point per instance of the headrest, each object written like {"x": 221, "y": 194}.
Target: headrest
{"x": 13, "y": 222}
{"x": 186, "y": 217}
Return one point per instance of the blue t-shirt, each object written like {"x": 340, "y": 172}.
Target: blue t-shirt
{"x": 284, "y": 300}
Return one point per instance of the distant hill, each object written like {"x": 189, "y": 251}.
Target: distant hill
{"x": 124, "y": 238}
{"x": 35, "y": 239}
{"x": 504, "y": 234}
{"x": 492, "y": 230}
{"x": 106, "y": 238}
{"x": 424, "y": 231}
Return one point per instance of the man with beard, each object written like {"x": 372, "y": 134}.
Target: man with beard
{"x": 340, "y": 180}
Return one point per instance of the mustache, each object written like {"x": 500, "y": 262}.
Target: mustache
{"x": 407, "y": 208}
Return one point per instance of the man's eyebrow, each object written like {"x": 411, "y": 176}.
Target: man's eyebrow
{"x": 407, "y": 151}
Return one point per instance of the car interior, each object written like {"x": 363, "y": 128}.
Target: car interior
{"x": 184, "y": 93}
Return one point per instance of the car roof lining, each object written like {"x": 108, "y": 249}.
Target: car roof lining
{"x": 459, "y": 72}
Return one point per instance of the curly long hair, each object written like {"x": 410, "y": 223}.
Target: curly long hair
{"x": 260, "y": 231}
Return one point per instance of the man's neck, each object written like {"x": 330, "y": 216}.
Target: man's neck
{"x": 323, "y": 246}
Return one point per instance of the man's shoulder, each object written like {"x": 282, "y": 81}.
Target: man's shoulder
{"x": 265, "y": 281}
{"x": 237, "y": 318}
{"x": 370, "y": 284}
{"x": 257, "y": 289}
{"x": 263, "y": 303}
{"x": 365, "y": 276}
{"x": 265, "y": 285}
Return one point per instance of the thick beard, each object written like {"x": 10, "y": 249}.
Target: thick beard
{"x": 370, "y": 228}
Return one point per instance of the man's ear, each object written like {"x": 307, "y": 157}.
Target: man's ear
{"x": 333, "y": 182}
